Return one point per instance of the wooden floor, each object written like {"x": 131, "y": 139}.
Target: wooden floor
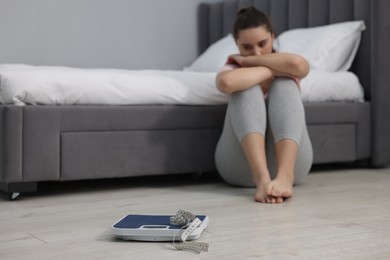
{"x": 336, "y": 214}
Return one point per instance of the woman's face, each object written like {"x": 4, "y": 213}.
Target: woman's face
{"x": 255, "y": 41}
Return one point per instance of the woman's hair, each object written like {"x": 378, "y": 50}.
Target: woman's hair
{"x": 250, "y": 17}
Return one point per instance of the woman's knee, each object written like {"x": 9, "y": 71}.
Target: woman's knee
{"x": 284, "y": 81}
{"x": 253, "y": 93}
{"x": 284, "y": 86}
{"x": 249, "y": 102}
{"x": 248, "y": 112}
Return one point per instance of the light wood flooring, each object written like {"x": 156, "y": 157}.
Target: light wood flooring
{"x": 341, "y": 213}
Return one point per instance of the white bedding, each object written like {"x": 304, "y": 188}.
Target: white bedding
{"x": 24, "y": 84}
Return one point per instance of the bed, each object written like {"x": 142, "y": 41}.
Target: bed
{"x": 63, "y": 142}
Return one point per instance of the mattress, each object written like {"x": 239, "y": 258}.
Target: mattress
{"x": 50, "y": 85}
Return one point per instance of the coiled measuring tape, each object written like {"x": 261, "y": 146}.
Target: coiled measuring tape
{"x": 190, "y": 222}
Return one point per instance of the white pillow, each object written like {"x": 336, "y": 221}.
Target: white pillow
{"x": 9, "y": 67}
{"x": 215, "y": 56}
{"x": 321, "y": 85}
{"x": 330, "y": 47}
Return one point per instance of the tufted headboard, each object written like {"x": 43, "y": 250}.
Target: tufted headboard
{"x": 216, "y": 19}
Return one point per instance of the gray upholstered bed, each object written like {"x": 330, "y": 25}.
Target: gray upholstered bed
{"x": 60, "y": 143}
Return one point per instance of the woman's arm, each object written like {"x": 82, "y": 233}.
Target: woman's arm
{"x": 283, "y": 64}
{"x": 242, "y": 78}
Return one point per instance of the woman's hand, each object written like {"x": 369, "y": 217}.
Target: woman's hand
{"x": 236, "y": 59}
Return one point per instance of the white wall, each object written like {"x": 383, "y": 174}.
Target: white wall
{"x": 132, "y": 34}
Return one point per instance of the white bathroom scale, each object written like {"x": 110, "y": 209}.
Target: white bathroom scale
{"x": 153, "y": 228}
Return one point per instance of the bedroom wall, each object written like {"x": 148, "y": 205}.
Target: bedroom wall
{"x": 132, "y": 34}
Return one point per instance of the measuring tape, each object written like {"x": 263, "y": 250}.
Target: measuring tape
{"x": 190, "y": 222}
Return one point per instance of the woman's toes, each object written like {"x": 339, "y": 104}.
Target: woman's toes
{"x": 287, "y": 194}
{"x": 276, "y": 192}
{"x": 279, "y": 200}
{"x": 259, "y": 199}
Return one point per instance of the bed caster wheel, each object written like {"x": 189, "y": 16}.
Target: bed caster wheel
{"x": 14, "y": 195}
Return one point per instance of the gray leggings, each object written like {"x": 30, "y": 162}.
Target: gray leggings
{"x": 279, "y": 117}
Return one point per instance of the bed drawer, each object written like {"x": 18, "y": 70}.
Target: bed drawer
{"x": 87, "y": 155}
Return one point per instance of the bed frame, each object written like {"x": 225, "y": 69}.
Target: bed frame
{"x": 61, "y": 143}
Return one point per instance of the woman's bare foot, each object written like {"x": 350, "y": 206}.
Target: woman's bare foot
{"x": 261, "y": 193}
{"x": 261, "y": 196}
{"x": 280, "y": 187}
{"x": 261, "y": 182}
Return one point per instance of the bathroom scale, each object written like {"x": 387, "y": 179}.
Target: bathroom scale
{"x": 154, "y": 228}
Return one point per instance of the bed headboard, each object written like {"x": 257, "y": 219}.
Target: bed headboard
{"x": 216, "y": 20}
